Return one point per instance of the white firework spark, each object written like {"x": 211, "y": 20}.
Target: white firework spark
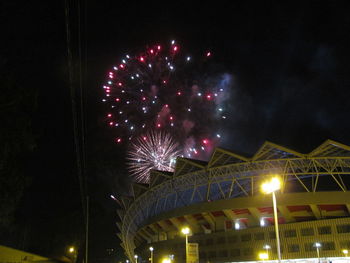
{"x": 156, "y": 150}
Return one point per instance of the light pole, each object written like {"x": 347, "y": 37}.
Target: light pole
{"x": 73, "y": 252}
{"x": 317, "y": 245}
{"x": 151, "y": 249}
{"x": 186, "y": 231}
{"x": 166, "y": 260}
{"x": 263, "y": 256}
{"x": 270, "y": 187}
{"x": 136, "y": 256}
{"x": 345, "y": 252}
{"x": 267, "y": 247}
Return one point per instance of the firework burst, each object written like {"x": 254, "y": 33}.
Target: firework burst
{"x": 155, "y": 150}
{"x": 164, "y": 88}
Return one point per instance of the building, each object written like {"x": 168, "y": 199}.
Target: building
{"x": 231, "y": 219}
{"x": 11, "y": 255}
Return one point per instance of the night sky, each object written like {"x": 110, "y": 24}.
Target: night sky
{"x": 290, "y": 64}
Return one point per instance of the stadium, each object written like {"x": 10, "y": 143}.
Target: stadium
{"x": 231, "y": 219}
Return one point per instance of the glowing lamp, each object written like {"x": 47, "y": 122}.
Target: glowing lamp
{"x": 271, "y": 186}
{"x": 263, "y": 256}
{"x": 185, "y": 230}
{"x": 266, "y": 247}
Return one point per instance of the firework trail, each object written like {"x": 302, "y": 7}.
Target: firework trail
{"x": 165, "y": 89}
{"x": 155, "y": 150}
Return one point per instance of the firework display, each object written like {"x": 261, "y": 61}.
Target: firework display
{"x": 167, "y": 90}
{"x": 155, "y": 150}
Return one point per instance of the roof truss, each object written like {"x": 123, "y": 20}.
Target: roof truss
{"x": 269, "y": 151}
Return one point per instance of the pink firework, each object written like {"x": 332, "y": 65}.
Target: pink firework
{"x": 165, "y": 89}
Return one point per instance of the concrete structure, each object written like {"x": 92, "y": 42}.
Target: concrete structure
{"x": 11, "y": 255}
{"x": 229, "y": 216}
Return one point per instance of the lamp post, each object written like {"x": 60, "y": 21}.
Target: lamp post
{"x": 73, "y": 252}
{"x": 186, "y": 231}
{"x": 317, "y": 245}
{"x": 263, "y": 256}
{"x": 345, "y": 252}
{"x": 151, "y": 249}
{"x": 270, "y": 187}
{"x": 136, "y": 256}
{"x": 166, "y": 260}
{"x": 267, "y": 247}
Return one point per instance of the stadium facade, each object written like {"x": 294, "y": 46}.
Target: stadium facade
{"x": 231, "y": 219}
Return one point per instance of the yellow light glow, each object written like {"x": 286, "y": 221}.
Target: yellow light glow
{"x": 185, "y": 230}
{"x": 71, "y": 249}
{"x": 166, "y": 260}
{"x": 271, "y": 186}
{"x": 345, "y": 252}
{"x": 263, "y": 256}
{"x": 151, "y": 248}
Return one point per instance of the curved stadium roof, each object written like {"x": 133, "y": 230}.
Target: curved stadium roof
{"x": 229, "y": 175}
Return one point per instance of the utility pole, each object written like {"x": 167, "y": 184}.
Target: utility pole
{"x": 87, "y": 231}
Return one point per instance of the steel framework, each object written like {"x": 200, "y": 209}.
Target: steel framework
{"x": 228, "y": 175}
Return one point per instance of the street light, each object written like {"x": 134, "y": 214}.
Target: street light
{"x": 263, "y": 256}
{"x": 317, "y": 245}
{"x": 186, "y": 231}
{"x": 166, "y": 260}
{"x": 151, "y": 249}
{"x": 73, "y": 254}
{"x": 270, "y": 187}
{"x": 71, "y": 249}
{"x": 267, "y": 247}
{"x": 136, "y": 256}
